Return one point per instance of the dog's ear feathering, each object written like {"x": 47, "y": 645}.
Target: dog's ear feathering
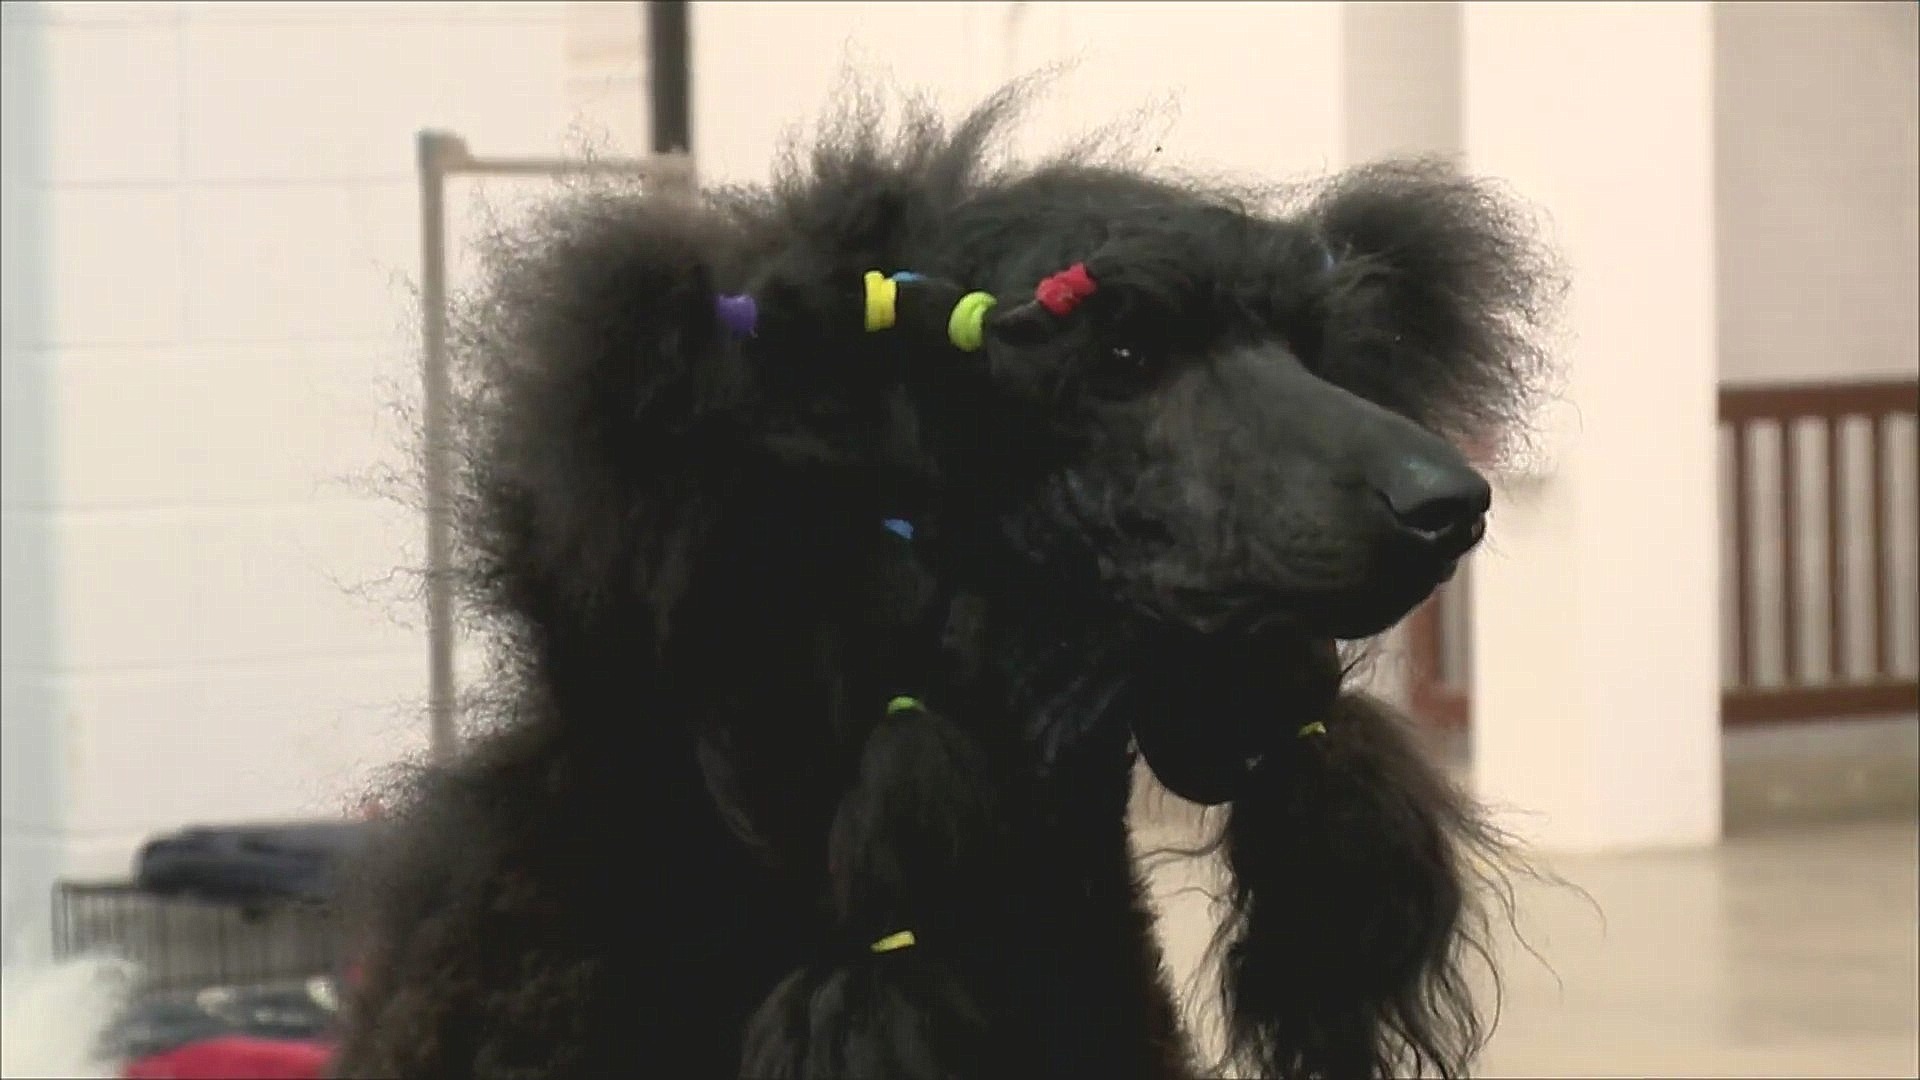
{"x": 1437, "y": 296}
{"x": 582, "y": 369}
{"x": 1362, "y": 881}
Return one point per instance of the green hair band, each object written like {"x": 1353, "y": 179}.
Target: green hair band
{"x": 964, "y": 326}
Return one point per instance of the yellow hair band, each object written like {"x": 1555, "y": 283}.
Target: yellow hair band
{"x": 964, "y": 325}
{"x": 902, "y": 704}
{"x": 1315, "y": 728}
{"x": 894, "y": 942}
{"x": 881, "y": 292}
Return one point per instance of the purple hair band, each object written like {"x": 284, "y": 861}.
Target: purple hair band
{"x": 738, "y": 313}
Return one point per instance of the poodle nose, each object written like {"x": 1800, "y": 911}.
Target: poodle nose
{"x": 1441, "y": 503}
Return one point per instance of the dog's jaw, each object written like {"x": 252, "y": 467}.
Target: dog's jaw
{"x": 1208, "y": 709}
{"x": 1200, "y": 707}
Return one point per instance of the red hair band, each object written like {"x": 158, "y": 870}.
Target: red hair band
{"x": 1062, "y": 292}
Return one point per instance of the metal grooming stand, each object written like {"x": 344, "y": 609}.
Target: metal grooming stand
{"x": 443, "y": 155}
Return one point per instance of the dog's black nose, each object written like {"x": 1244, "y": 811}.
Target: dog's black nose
{"x": 1440, "y": 502}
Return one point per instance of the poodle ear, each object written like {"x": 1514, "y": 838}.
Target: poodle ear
{"x": 590, "y": 364}
{"x": 1433, "y": 296}
{"x": 1362, "y": 881}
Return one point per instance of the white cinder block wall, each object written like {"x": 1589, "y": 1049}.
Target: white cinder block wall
{"x": 1248, "y": 88}
{"x": 211, "y": 220}
{"x": 1818, "y": 152}
{"x": 211, "y": 211}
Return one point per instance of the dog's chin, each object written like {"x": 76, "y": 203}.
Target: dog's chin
{"x": 1364, "y": 613}
{"x": 1341, "y": 614}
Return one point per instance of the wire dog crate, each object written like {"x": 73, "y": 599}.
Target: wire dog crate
{"x": 187, "y": 943}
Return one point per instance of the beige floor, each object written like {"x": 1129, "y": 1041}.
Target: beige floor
{"x": 1788, "y": 954}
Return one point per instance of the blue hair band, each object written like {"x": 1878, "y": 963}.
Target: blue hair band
{"x": 899, "y": 527}
{"x": 738, "y": 312}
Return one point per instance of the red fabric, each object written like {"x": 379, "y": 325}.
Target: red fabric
{"x": 235, "y": 1058}
{"x": 1062, "y": 292}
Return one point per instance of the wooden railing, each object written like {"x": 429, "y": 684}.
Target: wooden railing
{"x": 1826, "y": 644}
{"x": 1437, "y": 655}
{"x": 1805, "y": 639}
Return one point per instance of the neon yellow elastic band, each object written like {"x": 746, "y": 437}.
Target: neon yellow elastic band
{"x": 902, "y": 704}
{"x": 881, "y": 292}
{"x": 903, "y": 939}
{"x": 1315, "y": 728}
{"x": 964, "y": 325}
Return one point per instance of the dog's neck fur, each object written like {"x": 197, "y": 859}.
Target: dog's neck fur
{"x": 1062, "y": 681}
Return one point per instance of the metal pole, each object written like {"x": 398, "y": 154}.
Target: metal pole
{"x": 437, "y": 150}
{"x": 443, "y": 155}
{"x": 669, "y": 75}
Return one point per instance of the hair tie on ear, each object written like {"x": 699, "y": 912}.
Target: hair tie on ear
{"x": 965, "y": 327}
{"x": 1062, "y": 292}
{"x": 738, "y": 313}
{"x": 881, "y": 293}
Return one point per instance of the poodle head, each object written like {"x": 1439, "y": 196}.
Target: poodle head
{"x": 1228, "y": 422}
{"x": 1101, "y": 394}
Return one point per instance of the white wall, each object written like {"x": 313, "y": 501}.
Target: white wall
{"x": 211, "y": 216}
{"x": 1250, "y": 88}
{"x": 210, "y": 219}
{"x": 1818, "y": 194}
{"x": 606, "y": 81}
{"x": 1402, "y": 80}
{"x": 1816, "y": 157}
{"x": 1596, "y": 704}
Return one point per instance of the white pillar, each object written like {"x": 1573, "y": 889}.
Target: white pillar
{"x": 1400, "y": 78}
{"x": 1596, "y": 674}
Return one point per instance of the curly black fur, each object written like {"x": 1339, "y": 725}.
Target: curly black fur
{"x": 692, "y": 812}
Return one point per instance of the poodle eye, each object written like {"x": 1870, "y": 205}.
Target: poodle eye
{"x": 1127, "y": 370}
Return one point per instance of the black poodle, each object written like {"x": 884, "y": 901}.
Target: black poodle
{"x": 845, "y": 538}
